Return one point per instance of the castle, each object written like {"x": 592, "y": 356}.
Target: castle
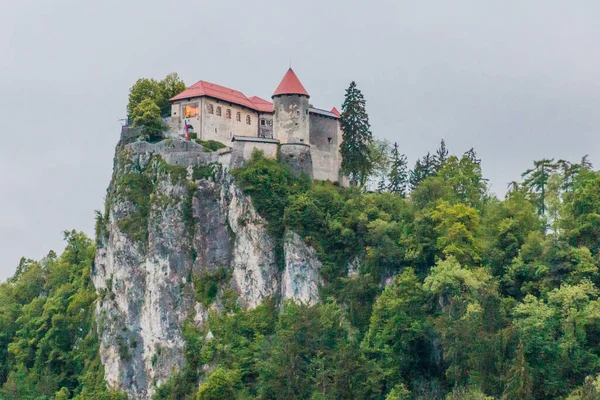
{"x": 306, "y": 138}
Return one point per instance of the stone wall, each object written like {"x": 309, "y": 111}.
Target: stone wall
{"x": 244, "y": 146}
{"x": 324, "y": 143}
{"x": 212, "y": 126}
{"x": 266, "y": 130}
{"x": 291, "y": 120}
{"x": 298, "y": 157}
{"x": 180, "y": 152}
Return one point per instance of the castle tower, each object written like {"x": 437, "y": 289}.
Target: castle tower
{"x": 291, "y": 123}
{"x": 290, "y": 103}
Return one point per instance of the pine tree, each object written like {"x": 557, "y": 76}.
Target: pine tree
{"x": 398, "y": 173}
{"x": 440, "y": 157}
{"x": 537, "y": 178}
{"x": 356, "y": 161}
{"x": 472, "y": 155}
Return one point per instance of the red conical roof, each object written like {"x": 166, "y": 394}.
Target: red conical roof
{"x": 290, "y": 84}
{"x": 336, "y": 112}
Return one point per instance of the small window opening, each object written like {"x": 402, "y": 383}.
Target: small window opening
{"x": 228, "y": 113}
{"x": 219, "y": 111}
{"x": 248, "y": 120}
{"x": 211, "y": 110}
{"x": 238, "y": 116}
{"x": 329, "y": 140}
{"x": 263, "y": 122}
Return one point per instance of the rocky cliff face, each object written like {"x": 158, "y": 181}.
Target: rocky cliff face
{"x": 175, "y": 220}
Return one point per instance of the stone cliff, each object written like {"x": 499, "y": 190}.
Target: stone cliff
{"x": 176, "y": 221}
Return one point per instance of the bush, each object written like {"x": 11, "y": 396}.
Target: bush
{"x": 211, "y": 145}
{"x": 220, "y": 385}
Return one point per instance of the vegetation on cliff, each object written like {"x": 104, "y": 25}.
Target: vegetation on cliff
{"x": 452, "y": 293}
{"x": 48, "y": 341}
{"x": 444, "y": 292}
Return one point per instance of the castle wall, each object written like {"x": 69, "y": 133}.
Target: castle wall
{"x": 266, "y": 130}
{"x": 325, "y": 139}
{"x": 298, "y": 156}
{"x": 291, "y": 120}
{"x": 243, "y": 148}
{"x": 214, "y": 127}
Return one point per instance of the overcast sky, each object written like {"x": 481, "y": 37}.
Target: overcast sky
{"x": 517, "y": 80}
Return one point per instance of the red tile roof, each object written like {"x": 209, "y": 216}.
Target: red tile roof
{"x": 336, "y": 112}
{"x": 204, "y": 88}
{"x": 290, "y": 84}
{"x": 261, "y": 105}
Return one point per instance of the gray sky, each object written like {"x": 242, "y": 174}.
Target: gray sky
{"x": 518, "y": 80}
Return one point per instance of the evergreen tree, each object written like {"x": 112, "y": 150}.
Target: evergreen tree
{"x": 356, "y": 160}
{"x": 440, "y": 157}
{"x": 422, "y": 170}
{"x": 471, "y": 154}
{"x": 398, "y": 173}
{"x": 536, "y": 180}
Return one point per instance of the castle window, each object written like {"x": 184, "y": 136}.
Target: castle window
{"x": 211, "y": 109}
{"x": 271, "y": 122}
{"x": 238, "y": 116}
{"x": 263, "y": 122}
{"x": 228, "y": 113}
{"x": 218, "y": 111}
{"x": 248, "y": 120}
{"x": 191, "y": 110}
{"x": 329, "y": 140}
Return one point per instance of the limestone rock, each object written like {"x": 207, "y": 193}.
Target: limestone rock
{"x": 191, "y": 226}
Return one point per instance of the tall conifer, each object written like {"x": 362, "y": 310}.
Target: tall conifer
{"x": 398, "y": 173}
{"x": 356, "y": 162}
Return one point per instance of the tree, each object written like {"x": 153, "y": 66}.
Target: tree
{"x": 158, "y": 91}
{"x": 220, "y": 385}
{"x": 536, "y": 180}
{"x": 423, "y": 169}
{"x": 143, "y": 89}
{"x": 440, "y": 157}
{"x": 379, "y": 153}
{"x": 456, "y": 226}
{"x": 356, "y": 137}
{"x": 147, "y": 116}
{"x": 169, "y": 87}
{"x": 396, "y": 338}
{"x": 398, "y": 177}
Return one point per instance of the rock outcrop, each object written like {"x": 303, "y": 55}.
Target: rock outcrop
{"x": 174, "y": 216}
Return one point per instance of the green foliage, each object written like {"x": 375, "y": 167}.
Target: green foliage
{"x": 48, "y": 342}
{"x": 211, "y": 145}
{"x": 159, "y": 92}
{"x": 147, "y": 116}
{"x": 357, "y": 162}
{"x": 207, "y": 285}
{"x": 135, "y": 187}
{"x": 220, "y": 385}
{"x": 398, "y": 177}
{"x": 447, "y": 293}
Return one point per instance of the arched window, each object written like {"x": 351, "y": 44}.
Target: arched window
{"x": 211, "y": 109}
{"x": 218, "y": 111}
{"x": 248, "y": 120}
{"x": 238, "y": 116}
{"x": 228, "y": 113}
